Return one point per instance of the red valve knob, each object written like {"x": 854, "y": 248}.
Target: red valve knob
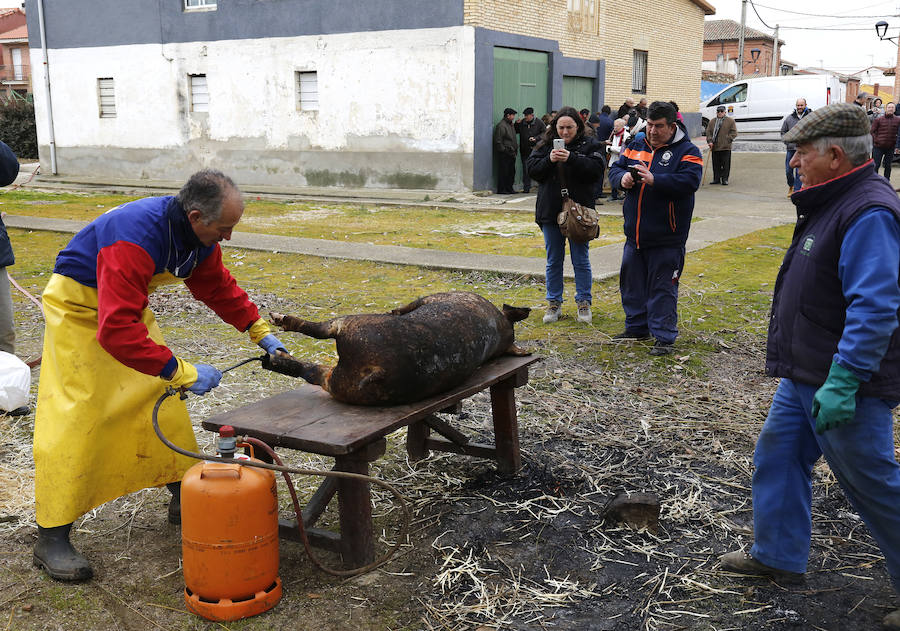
{"x": 226, "y": 431}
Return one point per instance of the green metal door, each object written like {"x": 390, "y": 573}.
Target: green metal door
{"x": 578, "y": 92}
{"x": 521, "y": 79}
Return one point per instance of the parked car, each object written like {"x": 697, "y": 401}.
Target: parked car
{"x": 759, "y": 105}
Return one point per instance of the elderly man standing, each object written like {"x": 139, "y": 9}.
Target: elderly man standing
{"x": 800, "y": 110}
{"x": 106, "y": 364}
{"x": 833, "y": 342}
{"x": 884, "y": 139}
{"x": 660, "y": 174}
{"x": 720, "y": 134}
{"x": 505, "y": 147}
{"x": 530, "y": 129}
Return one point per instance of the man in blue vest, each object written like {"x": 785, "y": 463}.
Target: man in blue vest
{"x": 834, "y": 342}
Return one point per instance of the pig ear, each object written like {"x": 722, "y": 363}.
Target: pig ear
{"x": 514, "y": 314}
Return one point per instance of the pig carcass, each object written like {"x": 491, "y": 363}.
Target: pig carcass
{"x": 429, "y": 346}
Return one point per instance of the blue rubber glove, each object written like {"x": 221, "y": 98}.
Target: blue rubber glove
{"x": 834, "y": 404}
{"x": 270, "y": 344}
{"x": 208, "y": 377}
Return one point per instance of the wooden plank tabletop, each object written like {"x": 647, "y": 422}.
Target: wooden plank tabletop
{"x": 308, "y": 419}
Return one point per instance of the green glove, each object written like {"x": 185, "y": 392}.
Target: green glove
{"x": 835, "y": 402}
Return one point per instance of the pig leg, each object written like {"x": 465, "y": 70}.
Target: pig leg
{"x": 415, "y": 304}
{"x": 318, "y": 330}
{"x": 316, "y": 374}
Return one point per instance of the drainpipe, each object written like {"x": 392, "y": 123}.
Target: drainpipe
{"x": 40, "y": 4}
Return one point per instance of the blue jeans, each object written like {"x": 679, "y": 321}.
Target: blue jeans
{"x": 555, "y": 244}
{"x": 793, "y": 175}
{"x": 648, "y": 282}
{"x": 883, "y": 156}
{"x": 861, "y": 455}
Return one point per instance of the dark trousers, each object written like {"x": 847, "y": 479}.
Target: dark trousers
{"x": 506, "y": 172}
{"x": 885, "y": 156}
{"x": 526, "y": 181}
{"x": 793, "y": 175}
{"x": 721, "y": 163}
{"x": 648, "y": 282}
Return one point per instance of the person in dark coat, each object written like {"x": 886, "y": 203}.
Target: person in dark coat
{"x": 833, "y": 342}
{"x": 720, "y": 134}
{"x": 583, "y": 163}
{"x": 884, "y": 139}
{"x": 505, "y": 147}
{"x": 9, "y": 169}
{"x": 530, "y": 129}
{"x": 604, "y": 124}
{"x": 793, "y": 179}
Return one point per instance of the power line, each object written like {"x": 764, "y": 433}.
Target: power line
{"x": 822, "y": 15}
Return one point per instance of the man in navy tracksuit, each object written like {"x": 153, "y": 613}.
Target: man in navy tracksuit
{"x": 658, "y": 209}
{"x": 834, "y": 341}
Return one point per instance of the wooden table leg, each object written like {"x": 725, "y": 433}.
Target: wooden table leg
{"x": 416, "y": 435}
{"x": 355, "y": 505}
{"x": 506, "y": 425}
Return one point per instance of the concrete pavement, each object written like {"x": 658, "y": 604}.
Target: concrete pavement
{"x": 755, "y": 199}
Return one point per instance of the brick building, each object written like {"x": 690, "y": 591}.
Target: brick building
{"x": 720, "y": 49}
{"x": 15, "y": 61}
{"x": 317, "y": 92}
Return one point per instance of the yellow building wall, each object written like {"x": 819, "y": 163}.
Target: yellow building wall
{"x": 670, "y": 30}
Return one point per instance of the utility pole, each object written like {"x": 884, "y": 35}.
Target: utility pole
{"x": 740, "y": 69}
{"x": 775, "y": 54}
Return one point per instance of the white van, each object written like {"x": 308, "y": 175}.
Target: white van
{"x": 759, "y": 105}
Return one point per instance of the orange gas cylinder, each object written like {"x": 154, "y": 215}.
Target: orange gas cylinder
{"x": 229, "y": 537}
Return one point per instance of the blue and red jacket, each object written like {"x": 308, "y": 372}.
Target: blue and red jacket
{"x": 660, "y": 215}
{"x": 125, "y": 253}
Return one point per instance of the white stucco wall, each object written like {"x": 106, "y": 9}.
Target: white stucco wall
{"x": 390, "y": 92}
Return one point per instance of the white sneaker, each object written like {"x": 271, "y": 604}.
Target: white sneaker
{"x": 584, "y": 312}
{"x": 552, "y": 312}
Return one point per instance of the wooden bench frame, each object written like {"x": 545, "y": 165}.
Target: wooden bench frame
{"x": 308, "y": 419}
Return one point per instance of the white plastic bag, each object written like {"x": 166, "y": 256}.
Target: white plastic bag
{"x": 15, "y": 382}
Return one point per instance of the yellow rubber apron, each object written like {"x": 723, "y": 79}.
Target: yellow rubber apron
{"x": 93, "y": 434}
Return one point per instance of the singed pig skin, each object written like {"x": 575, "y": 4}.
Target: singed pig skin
{"x": 428, "y": 346}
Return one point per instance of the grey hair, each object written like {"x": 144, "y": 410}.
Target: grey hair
{"x": 204, "y": 191}
{"x": 858, "y": 149}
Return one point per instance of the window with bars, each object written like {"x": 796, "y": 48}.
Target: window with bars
{"x": 308, "y": 91}
{"x": 583, "y": 17}
{"x": 199, "y": 93}
{"x": 106, "y": 94}
{"x": 639, "y": 72}
{"x": 199, "y": 5}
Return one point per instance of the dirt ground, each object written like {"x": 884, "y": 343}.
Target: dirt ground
{"x": 485, "y": 551}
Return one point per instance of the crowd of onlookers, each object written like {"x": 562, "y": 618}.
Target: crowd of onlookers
{"x": 520, "y": 136}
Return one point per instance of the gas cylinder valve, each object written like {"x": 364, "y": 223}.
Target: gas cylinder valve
{"x": 226, "y": 444}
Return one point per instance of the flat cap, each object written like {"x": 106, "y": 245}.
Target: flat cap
{"x": 509, "y": 111}
{"x": 721, "y": 108}
{"x": 835, "y": 120}
{"x": 862, "y": 95}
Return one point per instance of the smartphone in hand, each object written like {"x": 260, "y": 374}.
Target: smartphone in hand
{"x": 635, "y": 175}
{"x": 559, "y": 143}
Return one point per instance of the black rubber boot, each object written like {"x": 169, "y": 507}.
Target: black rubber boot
{"x": 55, "y": 555}
{"x": 175, "y": 503}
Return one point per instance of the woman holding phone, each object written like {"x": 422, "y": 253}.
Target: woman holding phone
{"x": 564, "y": 147}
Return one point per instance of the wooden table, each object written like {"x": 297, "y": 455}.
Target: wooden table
{"x": 308, "y": 419}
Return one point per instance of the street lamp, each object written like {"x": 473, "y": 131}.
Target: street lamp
{"x": 881, "y": 28}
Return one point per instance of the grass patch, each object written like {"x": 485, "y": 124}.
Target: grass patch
{"x": 506, "y": 233}
{"x": 726, "y": 289}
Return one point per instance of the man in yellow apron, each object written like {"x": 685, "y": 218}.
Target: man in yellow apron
{"x": 105, "y": 362}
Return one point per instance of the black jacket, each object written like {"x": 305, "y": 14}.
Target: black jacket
{"x": 534, "y": 129}
{"x": 584, "y": 167}
{"x": 9, "y": 169}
